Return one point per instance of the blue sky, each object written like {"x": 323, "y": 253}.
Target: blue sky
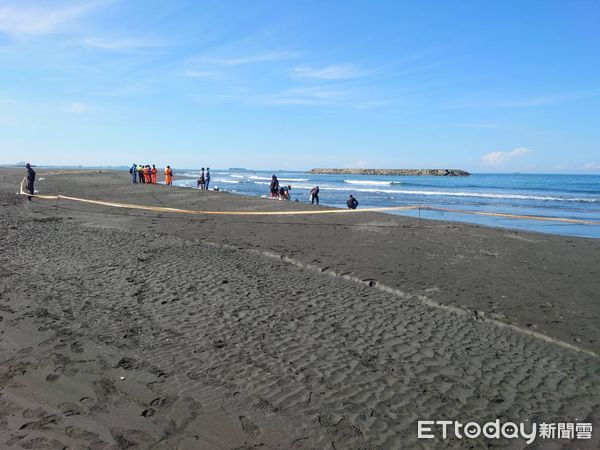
{"x": 483, "y": 86}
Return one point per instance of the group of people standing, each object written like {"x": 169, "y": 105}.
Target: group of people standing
{"x": 204, "y": 179}
{"x": 148, "y": 175}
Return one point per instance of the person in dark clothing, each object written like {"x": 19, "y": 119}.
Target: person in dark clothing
{"x": 207, "y": 178}
{"x": 284, "y": 192}
{"x": 352, "y": 202}
{"x": 140, "y": 171}
{"x": 274, "y": 187}
{"x": 30, "y": 180}
{"x": 201, "y": 181}
{"x": 314, "y": 195}
{"x": 133, "y": 172}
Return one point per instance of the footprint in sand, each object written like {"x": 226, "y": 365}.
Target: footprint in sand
{"x": 148, "y": 412}
{"x": 42, "y": 442}
{"x": 131, "y": 438}
{"x": 80, "y": 433}
{"x": 52, "y": 377}
{"x": 87, "y": 402}
{"x": 70, "y": 409}
{"x": 159, "y": 402}
{"x": 76, "y": 347}
{"x": 250, "y": 428}
{"x": 34, "y": 413}
{"x": 45, "y": 423}
{"x": 127, "y": 363}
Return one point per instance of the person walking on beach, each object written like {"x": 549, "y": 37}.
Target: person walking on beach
{"x": 200, "y": 182}
{"x": 352, "y": 202}
{"x": 140, "y": 171}
{"x": 30, "y": 180}
{"x": 133, "y": 172}
{"x": 314, "y": 195}
{"x": 207, "y": 178}
{"x": 274, "y": 187}
{"x": 153, "y": 174}
{"x": 168, "y": 176}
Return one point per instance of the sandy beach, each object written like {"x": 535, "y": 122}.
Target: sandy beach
{"x": 137, "y": 329}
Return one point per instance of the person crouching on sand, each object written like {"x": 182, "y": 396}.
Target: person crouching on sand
{"x": 284, "y": 192}
{"x": 30, "y": 180}
{"x": 153, "y": 173}
{"x": 352, "y": 202}
{"x": 168, "y": 176}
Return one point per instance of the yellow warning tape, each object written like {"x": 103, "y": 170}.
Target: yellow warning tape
{"x": 293, "y": 213}
{"x": 222, "y": 213}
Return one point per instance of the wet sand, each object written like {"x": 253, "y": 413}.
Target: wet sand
{"x": 126, "y": 328}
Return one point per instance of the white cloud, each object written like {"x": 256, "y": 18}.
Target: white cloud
{"x": 591, "y": 166}
{"x": 477, "y": 125}
{"x": 24, "y": 18}
{"x": 198, "y": 74}
{"x": 487, "y": 99}
{"x": 536, "y": 101}
{"x": 74, "y": 108}
{"x": 122, "y": 44}
{"x": 331, "y": 72}
{"x": 307, "y": 96}
{"x": 499, "y": 158}
{"x": 247, "y": 59}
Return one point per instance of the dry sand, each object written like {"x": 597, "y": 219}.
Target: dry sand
{"x": 132, "y": 329}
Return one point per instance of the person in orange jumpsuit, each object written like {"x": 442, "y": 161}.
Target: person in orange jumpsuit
{"x": 168, "y": 176}
{"x": 154, "y": 172}
{"x": 147, "y": 174}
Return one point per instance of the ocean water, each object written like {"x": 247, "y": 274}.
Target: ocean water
{"x": 563, "y": 196}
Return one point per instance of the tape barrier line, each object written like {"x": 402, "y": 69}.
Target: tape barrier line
{"x": 296, "y": 213}
{"x": 202, "y": 212}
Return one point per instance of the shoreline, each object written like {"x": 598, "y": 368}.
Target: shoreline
{"x": 468, "y": 216}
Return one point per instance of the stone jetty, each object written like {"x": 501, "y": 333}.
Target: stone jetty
{"x": 396, "y": 172}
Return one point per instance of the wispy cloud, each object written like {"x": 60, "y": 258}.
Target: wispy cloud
{"x": 591, "y": 166}
{"x": 74, "y": 108}
{"x": 331, "y": 72}
{"x": 125, "y": 44}
{"x": 245, "y": 59}
{"x": 478, "y": 125}
{"x": 307, "y": 96}
{"x": 199, "y": 74}
{"x": 24, "y": 18}
{"x": 536, "y": 101}
{"x": 498, "y": 158}
{"x": 490, "y": 99}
